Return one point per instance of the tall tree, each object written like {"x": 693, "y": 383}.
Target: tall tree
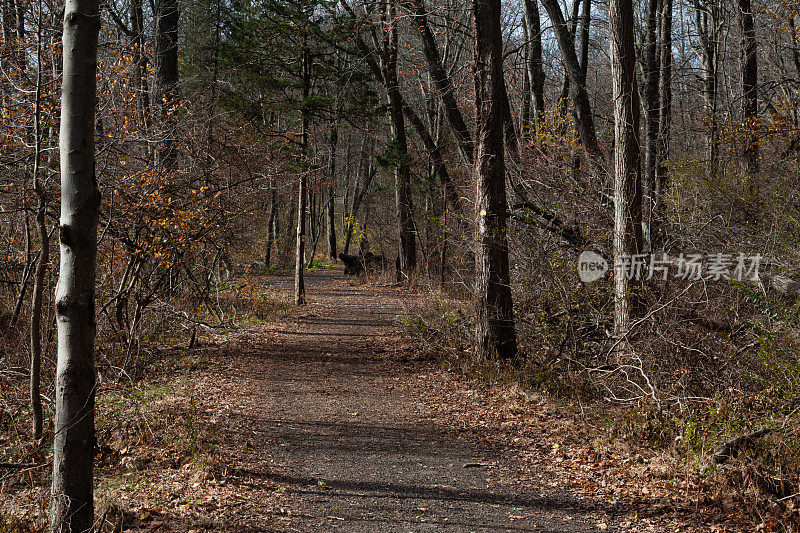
{"x": 567, "y": 46}
{"x": 398, "y": 149}
{"x": 302, "y": 198}
{"x": 495, "y": 334}
{"x": 330, "y": 202}
{"x": 665, "y": 111}
{"x": 44, "y": 246}
{"x": 166, "y": 95}
{"x": 74, "y": 441}
{"x": 139, "y": 38}
{"x": 651, "y": 58}
{"x": 9, "y": 20}
{"x": 627, "y": 169}
{"x": 708, "y": 25}
{"x": 441, "y": 79}
{"x": 433, "y": 148}
{"x": 749, "y": 78}
{"x": 533, "y": 61}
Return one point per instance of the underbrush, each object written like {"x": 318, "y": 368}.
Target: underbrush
{"x": 709, "y": 363}
{"x": 150, "y": 427}
{"x": 146, "y": 432}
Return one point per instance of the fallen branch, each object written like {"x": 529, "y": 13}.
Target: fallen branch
{"x": 732, "y": 447}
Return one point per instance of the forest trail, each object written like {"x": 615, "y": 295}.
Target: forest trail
{"x": 318, "y": 424}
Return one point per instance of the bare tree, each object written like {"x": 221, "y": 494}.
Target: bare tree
{"x": 330, "y": 202}
{"x": 651, "y": 67}
{"x": 533, "y": 61}
{"x": 495, "y": 334}
{"x": 749, "y": 77}
{"x": 567, "y": 46}
{"x": 627, "y": 169}
{"x": 166, "y": 95}
{"x": 399, "y": 146}
{"x": 708, "y": 25}
{"x": 302, "y": 208}
{"x": 665, "y": 102}
{"x": 74, "y": 442}
{"x": 44, "y": 251}
{"x": 442, "y": 81}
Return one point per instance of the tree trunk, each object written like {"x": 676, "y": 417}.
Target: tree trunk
{"x": 749, "y": 75}
{"x": 20, "y": 20}
{"x": 302, "y": 193}
{"x": 527, "y": 126}
{"x": 586, "y": 24}
{"x": 564, "y": 93}
{"x": 567, "y": 46}
{"x": 140, "y": 62}
{"x": 399, "y": 148}
{"x": 74, "y": 441}
{"x": 627, "y": 174}
{"x": 36, "y": 313}
{"x": 706, "y": 24}
{"x": 330, "y": 208}
{"x": 9, "y": 20}
{"x": 166, "y": 81}
{"x": 271, "y": 227}
{"x": 358, "y": 196}
{"x": 44, "y": 251}
{"x": 665, "y": 112}
{"x": 652, "y": 71}
{"x": 313, "y": 227}
{"x": 533, "y": 61}
{"x": 299, "y": 281}
{"x": 495, "y": 335}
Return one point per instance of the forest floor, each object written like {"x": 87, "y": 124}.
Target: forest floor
{"x": 331, "y": 419}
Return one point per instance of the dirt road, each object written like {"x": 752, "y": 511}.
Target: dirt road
{"x": 319, "y": 420}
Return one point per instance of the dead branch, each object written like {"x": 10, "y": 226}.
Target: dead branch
{"x": 732, "y": 447}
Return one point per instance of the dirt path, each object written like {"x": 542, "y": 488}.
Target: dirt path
{"x": 319, "y": 426}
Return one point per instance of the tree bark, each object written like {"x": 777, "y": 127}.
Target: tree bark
{"x": 665, "y": 112}
{"x": 652, "y": 70}
{"x": 495, "y": 335}
{"x": 36, "y": 313}
{"x": 330, "y": 208}
{"x": 140, "y": 62}
{"x": 299, "y": 281}
{"x": 564, "y": 93}
{"x": 271, "y": 226}
{"x": 749, "y": 78}
{"x": 9, "y": 20}
{"x": 533, "y": 61}
{"x": 73, "y": 446}
{"x": 706, "y": 24}
{"x": 302, "y": 193}
{"x": 44, "y": 251}
{"x": 399, "y": 148}
{"x": 627, "y": 172}
{"x": 166, "y": 93}
{"x": 20, "y": 20}
{"x": 586, "y": 23}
